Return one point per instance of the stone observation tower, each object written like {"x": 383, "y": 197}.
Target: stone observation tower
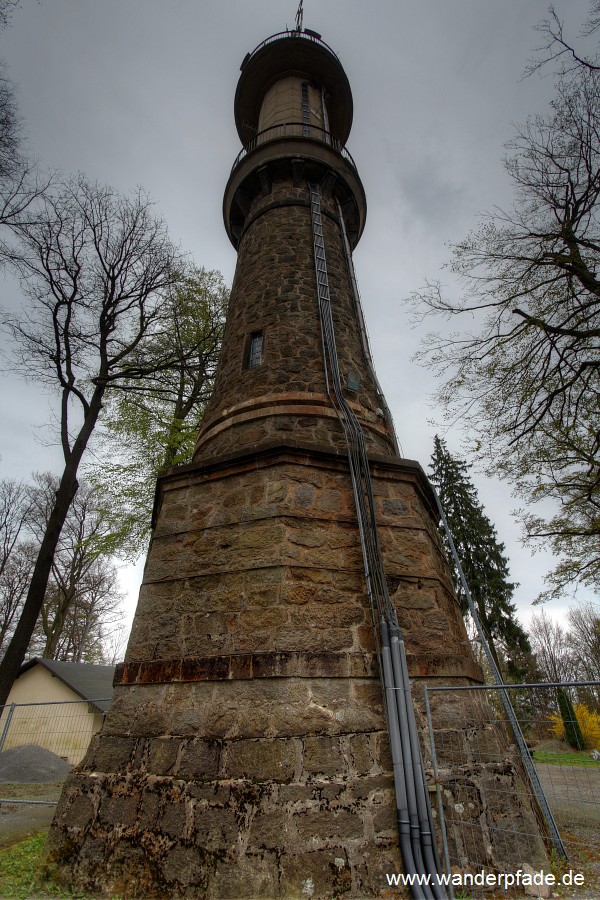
{"x": 246, "y": 752}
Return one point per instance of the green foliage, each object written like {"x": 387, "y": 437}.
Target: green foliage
{"x": 23, "y": 874}
{"x": 20, "y": 866}
{"x": 564, "y": 759}
{"x": 571, "y": 728}
{"x": 152, "y": 424}
{"x": 482, "y": 558}
{"x": 576, "y": 724}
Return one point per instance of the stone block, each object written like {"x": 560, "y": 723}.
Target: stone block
{"x": 376, "y": 861}
{"x": 262, "y": 760}
{"x": 372, "y": 788}
{"x": 323, "y": 755}
{"x": 115, "y": 811}
{"x": 271, "y": 829}
{"x": 327, "y": 617}
{"x": 185, "y": 865}
{"x": 251, "y": 876}
{"x": 162, "y": 755}
{"x": 318, "y": 874}
{"x": 78, "y": 814}
{"x": 304, "y": 496}
{"x": 395, "y": 508}
{"x": 199, "y": 760}
{"x": 361, "y": 754}
{"x": 149, "y": 810}
{"x": 211, "y": 793}
{"x": 384, "y": 813}
{"x": 216, "y": 828}
{"x": 276, "y": 491}
{"x": 299, "y": 794}
{"x": 173, "y": 817}
{"x": 316, "y": 828}
{"x": 112, "y": 754}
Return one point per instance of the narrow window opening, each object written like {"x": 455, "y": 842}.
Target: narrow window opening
{"x": 254, "y": 356}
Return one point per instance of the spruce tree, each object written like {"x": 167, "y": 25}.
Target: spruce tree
{"x": 483, "y": 560}
{"x": 573, "y": 735}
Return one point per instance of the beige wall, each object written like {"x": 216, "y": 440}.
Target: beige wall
{"x": 283, "y": 103}
{"x": 66, "y": 728}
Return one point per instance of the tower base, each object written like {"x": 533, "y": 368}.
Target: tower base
{"x": 245, "y": 753}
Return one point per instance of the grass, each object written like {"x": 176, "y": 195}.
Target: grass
{"x": 564, "y": 759}
{"x": 20, "y": 866}
{"x": 31, "y": 791}
{"x": 21, "y": 871}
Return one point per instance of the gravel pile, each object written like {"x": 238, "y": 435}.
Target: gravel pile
{"x": 30, "y": 764}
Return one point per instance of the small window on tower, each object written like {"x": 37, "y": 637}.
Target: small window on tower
{"x": 254, "y": 354}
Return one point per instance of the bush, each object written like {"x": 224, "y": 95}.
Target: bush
{"x": 588, "y": 726}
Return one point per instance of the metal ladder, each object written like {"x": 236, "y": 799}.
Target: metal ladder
{"x": 418, "y": 846}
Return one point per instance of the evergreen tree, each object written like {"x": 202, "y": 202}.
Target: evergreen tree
{"x": 573, "y": 735}
{"x": 483, "y": 560}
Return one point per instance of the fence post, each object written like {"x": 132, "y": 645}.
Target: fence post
{"x": 9, "y": 716}
{"x": 438, "y": 789}
{"x": 516, "y": 728}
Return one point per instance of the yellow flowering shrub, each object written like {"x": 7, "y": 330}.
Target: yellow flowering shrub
{"x": 589, "y": 722}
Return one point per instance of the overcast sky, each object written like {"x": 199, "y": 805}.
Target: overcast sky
{"x": 140, "y": 92}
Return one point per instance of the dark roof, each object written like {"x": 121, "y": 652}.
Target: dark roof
{"x": 90, "y": 682}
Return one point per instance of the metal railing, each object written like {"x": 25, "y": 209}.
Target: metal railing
{"x": 296, "y": 130}
{"x": 483, "y": 786}
{"x": 39, "y": 745}
{"x": 304, "y": 35}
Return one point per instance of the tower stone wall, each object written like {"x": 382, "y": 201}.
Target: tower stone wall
{"x": 245, "y": 753}
{"x": 287, "y": 395}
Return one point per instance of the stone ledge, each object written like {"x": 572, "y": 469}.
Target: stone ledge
{"x": 292, "y": 664}
{"x": 296, "y": 452}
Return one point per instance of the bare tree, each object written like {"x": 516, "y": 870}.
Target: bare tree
{"x": 7, "y": 7}
{"x": 550, "y": 643}
{"x": 584, "y": 639}
{"x": 10, "y": 122}
{"x": 154, "y": 425}
{"x": 558, "y": 49}
{"x": 10, "y": 126}
{"x": 86, "y": 629}
{"x": 94, "y": 267}
{"x": 20, "y": 181}
{"x": 16, "y": 554}
{"x": 82, "y": 595}
{"x": 526, "y": 381}
{"x": 15, "y": 504}
{"x": 14, "y": 583}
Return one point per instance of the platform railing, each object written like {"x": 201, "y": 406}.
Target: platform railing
{"x": 296, "y": 130}
{"x": 305, "y": 35}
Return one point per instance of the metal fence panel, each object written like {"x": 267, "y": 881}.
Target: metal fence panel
{"x": 40, "y": 743}
{"x": 472, "y": 741}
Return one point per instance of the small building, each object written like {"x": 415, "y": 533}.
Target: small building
{"x": 57, "y": 705}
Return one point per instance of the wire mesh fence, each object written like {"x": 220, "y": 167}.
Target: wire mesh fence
{"x": 488, "y": 807}
{"x": 492, "y": 808}
{"x": 39, "y": 745}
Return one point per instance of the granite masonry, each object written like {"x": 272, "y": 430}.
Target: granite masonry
{"x": 245, "y": 753}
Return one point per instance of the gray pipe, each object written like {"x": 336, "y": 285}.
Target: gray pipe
{"x": 415, "y": 835}
{"x": 400, "y": 780}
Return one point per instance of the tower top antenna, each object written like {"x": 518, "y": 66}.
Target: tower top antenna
{"x": 299, "y": 16}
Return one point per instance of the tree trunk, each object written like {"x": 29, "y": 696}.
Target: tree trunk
{"x": 17, "y": 648}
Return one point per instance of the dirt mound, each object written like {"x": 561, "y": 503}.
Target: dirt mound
{"x": 31, "y": 764}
